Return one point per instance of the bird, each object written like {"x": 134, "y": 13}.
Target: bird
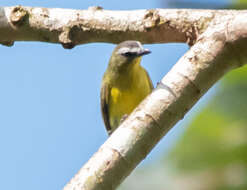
{"x": 124, "y": 85}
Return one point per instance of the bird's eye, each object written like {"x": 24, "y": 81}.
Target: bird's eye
{"x": 128, "y": 54}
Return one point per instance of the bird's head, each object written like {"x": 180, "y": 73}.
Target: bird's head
{"x": 127, "y": 53}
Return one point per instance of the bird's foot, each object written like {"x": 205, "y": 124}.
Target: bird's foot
{"x": 123, "y": 118}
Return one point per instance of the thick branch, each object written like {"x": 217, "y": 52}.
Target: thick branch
{"x": 73, "y": 27}
{"x": 221, "y": 48}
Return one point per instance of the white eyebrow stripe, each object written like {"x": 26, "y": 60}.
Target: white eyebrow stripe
{"x": 139, "y": 44}
{"x": 123, "y": 50}
{"x": 132, "y": 49}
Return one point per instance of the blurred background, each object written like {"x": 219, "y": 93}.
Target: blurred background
{"x": 50, "y": 121}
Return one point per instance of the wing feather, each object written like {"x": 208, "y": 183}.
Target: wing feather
{"x": 104, "y": 101}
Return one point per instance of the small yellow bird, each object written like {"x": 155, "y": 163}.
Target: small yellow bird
{"x": 125, "y": 83}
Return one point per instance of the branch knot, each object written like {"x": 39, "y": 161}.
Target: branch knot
{"x": 18, "y": 16}
{"x": 151, "y": 19}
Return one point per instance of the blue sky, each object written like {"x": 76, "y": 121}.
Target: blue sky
{"x": 49, "y": 103}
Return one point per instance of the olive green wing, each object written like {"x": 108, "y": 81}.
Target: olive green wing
{"x": 104, "y": 101}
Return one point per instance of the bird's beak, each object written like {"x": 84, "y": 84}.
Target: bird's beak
{"x": 144, "y": 52}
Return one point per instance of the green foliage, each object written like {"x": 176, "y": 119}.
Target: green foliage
{"x": 238, "y": 4}
{"x": 217, "y": 138}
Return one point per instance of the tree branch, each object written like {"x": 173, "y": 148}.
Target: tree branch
{"x": 73, "y": 27}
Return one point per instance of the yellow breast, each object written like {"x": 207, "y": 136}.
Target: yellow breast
{"x": 123, "y": 101}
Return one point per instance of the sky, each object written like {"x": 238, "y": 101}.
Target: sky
{"x": 50, "y": 121}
